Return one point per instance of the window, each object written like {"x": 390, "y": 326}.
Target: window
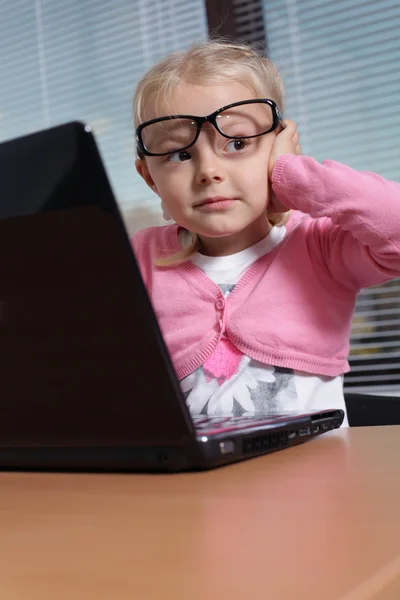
{"x": 80, "y": 60}
{"x": 341, "y": 64}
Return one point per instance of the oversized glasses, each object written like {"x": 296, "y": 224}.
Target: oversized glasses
{"x": 237, "y": 121}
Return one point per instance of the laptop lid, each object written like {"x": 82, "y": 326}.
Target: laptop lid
{"x": 82, "y": 359}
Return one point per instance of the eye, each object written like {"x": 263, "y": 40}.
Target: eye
{"x": 237, "y": 145}
{"x": 179, "y": 156}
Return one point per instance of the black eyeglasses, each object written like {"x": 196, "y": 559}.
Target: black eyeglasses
{"x": 237, "y": 121}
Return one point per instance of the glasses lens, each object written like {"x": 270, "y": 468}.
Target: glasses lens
{"x": 246, "y": 120}
{"x": 169, "y": 136}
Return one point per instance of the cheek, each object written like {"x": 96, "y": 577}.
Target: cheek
{"x": 169, "y": 191}
{"x": 172, "y": 194}
{"x": 167, "y": 182}
{"x": 255, "y": 171}
{"x": 261, "y": 177}
{"x": 258, "y": 180}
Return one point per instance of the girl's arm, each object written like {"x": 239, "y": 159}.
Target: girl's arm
{"x": 357, "y": 214}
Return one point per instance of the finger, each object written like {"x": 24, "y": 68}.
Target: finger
{"x": 289, "y": 127}
{"x": 298, "y": 149}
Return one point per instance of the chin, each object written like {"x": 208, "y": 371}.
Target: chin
{"x": 216, "y": 230}
{"x": 218, "y": 234}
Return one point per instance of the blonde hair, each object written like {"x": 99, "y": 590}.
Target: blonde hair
{"x": 212, "y": 62}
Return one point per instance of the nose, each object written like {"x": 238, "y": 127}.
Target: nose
{"x": 209, "y": 171}
{"x": 209, "y": 167}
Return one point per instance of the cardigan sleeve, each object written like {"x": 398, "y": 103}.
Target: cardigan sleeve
{"x": 356, "y": 217}
{"x": 140, "y": 248}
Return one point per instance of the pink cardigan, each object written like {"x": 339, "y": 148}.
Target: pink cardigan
{"x": 293, "y": 308}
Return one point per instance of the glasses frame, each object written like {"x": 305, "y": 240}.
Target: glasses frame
{"x": 211, "y": 118}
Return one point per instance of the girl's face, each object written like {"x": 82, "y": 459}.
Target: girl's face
{"x": 217, "y": 188}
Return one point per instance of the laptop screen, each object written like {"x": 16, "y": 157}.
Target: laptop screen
{"x": 81, "y": 355}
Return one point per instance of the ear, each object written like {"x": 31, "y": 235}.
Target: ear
{"x": 143, "y": 170}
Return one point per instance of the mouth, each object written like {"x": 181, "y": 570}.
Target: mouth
{"x": 216, "y": 202}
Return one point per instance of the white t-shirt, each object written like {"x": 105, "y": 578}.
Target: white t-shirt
{"x": 231, "y": 383}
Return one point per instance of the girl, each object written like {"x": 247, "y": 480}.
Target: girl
{"x": 254, "y": 285}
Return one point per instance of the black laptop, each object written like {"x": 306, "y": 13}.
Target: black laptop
{"x": 86, "y": 382}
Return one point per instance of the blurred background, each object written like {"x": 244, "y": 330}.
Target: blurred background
{"x": 80, "y": 60}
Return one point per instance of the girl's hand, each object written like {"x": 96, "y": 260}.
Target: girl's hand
{"x": 286, "y": 142}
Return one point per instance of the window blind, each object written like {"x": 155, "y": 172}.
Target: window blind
{"x": 341, "y": 65}
{"x": 80, "y": 60}
{"x": 248, "y": 16}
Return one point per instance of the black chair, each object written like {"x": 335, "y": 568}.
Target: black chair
{"x": 365, "y": 410}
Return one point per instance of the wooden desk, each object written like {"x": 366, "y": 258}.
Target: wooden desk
{"x": 320, "y": 521}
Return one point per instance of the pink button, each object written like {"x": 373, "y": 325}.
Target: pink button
{"x": 220, "y": 304}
